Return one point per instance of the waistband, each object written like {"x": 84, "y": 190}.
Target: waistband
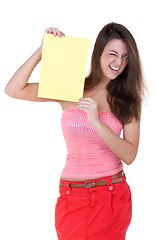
{"x": 94, "y": 182}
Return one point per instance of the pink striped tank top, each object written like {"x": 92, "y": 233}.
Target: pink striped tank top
{"x": 88, "y": 156}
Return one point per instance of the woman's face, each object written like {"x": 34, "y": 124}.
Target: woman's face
{"x": 114, "y": 59}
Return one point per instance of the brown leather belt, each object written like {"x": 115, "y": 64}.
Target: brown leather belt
{"x": 114, "y": 179}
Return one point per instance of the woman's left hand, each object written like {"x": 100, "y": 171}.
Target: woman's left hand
{"x": 90, "y": 107}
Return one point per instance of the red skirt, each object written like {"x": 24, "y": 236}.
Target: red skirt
{"x": 96, "y": 213}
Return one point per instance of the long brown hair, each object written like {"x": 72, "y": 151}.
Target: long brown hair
{"x": 126, "y": 91}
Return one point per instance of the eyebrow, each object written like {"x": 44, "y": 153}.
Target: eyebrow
{"x": 117, "y": 52}
{"x": 114, "y": 51}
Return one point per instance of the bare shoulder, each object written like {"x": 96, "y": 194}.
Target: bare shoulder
{"x": 66, "y": 104}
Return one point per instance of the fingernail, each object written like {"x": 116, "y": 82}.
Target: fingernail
{"x": 80, "y": 98}
{"x": 60, "y": 35}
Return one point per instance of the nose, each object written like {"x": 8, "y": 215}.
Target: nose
{"x": 118, "y": 61}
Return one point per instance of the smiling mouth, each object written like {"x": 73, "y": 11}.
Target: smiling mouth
{"x": 114, "y": 68}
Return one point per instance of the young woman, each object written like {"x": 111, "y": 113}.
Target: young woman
{"x": 95, "y": 200}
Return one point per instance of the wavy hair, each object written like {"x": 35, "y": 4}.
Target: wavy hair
{"x": 126, "y": 91}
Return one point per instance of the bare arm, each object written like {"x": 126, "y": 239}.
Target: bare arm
{"x": 126, "y": 148}
{"x": 18, "y": 86}
{"x": 19, "y": 80}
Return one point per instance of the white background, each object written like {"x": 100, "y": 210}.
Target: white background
{"x": 33, "y": 149}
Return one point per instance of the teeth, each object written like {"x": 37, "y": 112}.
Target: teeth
{"x": 114, "y": 68}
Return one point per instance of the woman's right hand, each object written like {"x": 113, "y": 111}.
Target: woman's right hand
{"x": 54, "y": 31}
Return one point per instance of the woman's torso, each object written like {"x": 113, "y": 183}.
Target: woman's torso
{"x": 99, "y": 95}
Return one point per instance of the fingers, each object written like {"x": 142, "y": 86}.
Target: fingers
{"x": 54, "y": 31}
{"x": 88, "y": 99}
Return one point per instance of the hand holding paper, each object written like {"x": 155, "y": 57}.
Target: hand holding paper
{"x": 52, "y": 31}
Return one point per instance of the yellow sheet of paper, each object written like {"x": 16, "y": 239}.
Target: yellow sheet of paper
{"x": 63, "y": 67}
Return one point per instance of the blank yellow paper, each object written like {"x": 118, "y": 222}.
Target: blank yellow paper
{"x": 63, "y": 67}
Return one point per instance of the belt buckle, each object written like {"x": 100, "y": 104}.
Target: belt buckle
{"x": 88, "y": 182}
{"x": 92, "y": 184}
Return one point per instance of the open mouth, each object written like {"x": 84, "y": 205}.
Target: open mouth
{"x": 114, "y": 68}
